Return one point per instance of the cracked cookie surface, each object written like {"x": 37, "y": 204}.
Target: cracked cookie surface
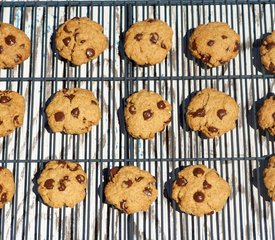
{"x": 14, "y": 46}
{"x": 73, "y": 111}
{"x": 148, "y": 42}
{"x": 269, "y": 178}
{"x": 267, "y": 51}
{"x": 199, "y": 190}
{"x": 12, "y": 109}
{"x": 214, "y": 43}
{"x": 212, "y": 112}
{"x": 80, "y": 40}
{"x": 131, "y": 189}
{"x": 6, "y": 186}
{"x": 62, "y": 183}
{"x": 146, "y": 113}
{"x": 266, "y": 115}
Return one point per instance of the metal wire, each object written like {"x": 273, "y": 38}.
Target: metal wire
{"x": 239, "y": 156}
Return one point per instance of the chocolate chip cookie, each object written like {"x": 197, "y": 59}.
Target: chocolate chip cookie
{"x": 212, "y": 112}
{"x": 14, "y": 46}
{"x": 131, "y": 189}
{"x": 266, "y": 115}
{"x": 267, "y": 51}
{"x": 12, "y": 109}
{"x": 269, "y": 178}
{"x": 6, "y": 186}
{"x": 199, "y": 190}
{"x": 80, "y": 40}
{"x": 62, "y": 183}
{"x": 146, "y": 113}
{"x": 73, "y": 111}
{"x": 148, "y": 42}
{"x": 214, "y": 43}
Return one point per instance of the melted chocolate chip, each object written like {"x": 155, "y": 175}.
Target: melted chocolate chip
{"x": 237, "y": 47}
{"x": 139, "y": 36}
{"x": 210, "y": 43}
{"x": 49, "y": 183}
{"x": 213, "y": 129}
{"x": 3, "y": 198}
{"x": 80, "y": 178}
{"x": 93, "y": 102}
{"x": 128, "y": 183}
{"x": 66, "y": 41}
{"x": 62, "y": 186}
{"x": 66, "y": 178}
{"x": 198, "y": 171}
{"x": 154, "y": 37}
{"x": 147, "y": 114}
{"x": 15, "y": 120}
{"x": 66, "y": 29}
{"x": 22, "y": 46}
{"x": 194, "y": 45}
{"x": 148, "y": 191}
{"x": 70, "y": 97}
{"x": 113, "y": 172}
{"x": 73, "y": 169}
{"x": 1, "y": 49}
{"x": 75, "y": 112}
{"x": 227, "y": 49}
{"x": 181, "y": 182}
{"x": 199, "y": 196}
{"x": 1, "y": 122}
{"x": 132, "y": 109}
{"x": 273, "y": 115}
{"x": 76, "y": 18}
{"x": 62, "y": 162}
{"x": 1, "y": 168}
{"x": 210, "y": 213}
{"x": 4, "y": 99}
{"x": 221, "y": 113}
{"x": 205, "y": 58}
{"x": 65, "y": 90}
{"x": 90, "y": 52}
{"x": 199, "y": 113}
{"x": 10, "y": 40}
{"x": 59, "y": 116}
{"x": 270, "y": 45}
{"x": 123, "y": 205}
{"x": 224, "y": 37}
{"x": 82, "y": 41}
{"x": 139, "y": 179}
{"x": 161, "y": 104}
{"x": 1, "y": 188}
{"x": 272, "y": 67}
{"x": 163, "y": 45}
{"x": 151, "y": 20}
{"x": 206, "y": 185}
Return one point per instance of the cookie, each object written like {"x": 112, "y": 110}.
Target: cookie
{"x": 269, "y": 178}
{"x": 14, "y": 46}
{"x": 62, "y": 183}
{"x": 212, "y": 112}
{"x": 266, "y": 115}
{"x": 267, "y": 51}
{"x": 80, "y": 40}
{"x": 6, "y": 186}
{"x": 199, "y": 190}
{"x": 148, "y": 42}
{"x": 214, "y": 43}
{"x": 146, "y": 113}
{"x": 12, "y": 109}
{"x": 73, "y": 111}
{"x": 131, "y": 189}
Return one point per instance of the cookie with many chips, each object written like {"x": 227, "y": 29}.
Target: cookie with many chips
{"x": 6, "y": 186}
{"x": 269, "y": 178}
{"x": 267, "y": 51}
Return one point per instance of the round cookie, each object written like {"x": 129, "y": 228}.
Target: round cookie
{"x": 6, "y": 186}
{"x": 12, "y": 109}
{"x": 266, "y": 115}
{"x": 267, "y": 51}
{"x": 214, "y": 43}
{"x": 269, "y": 178}
{"x": 131, "y": 189}
{"x": 146, "y": 113}
{"x": 14, "y": 46}
{"x": 73, "y": 111}
{"x": 212, "y": 112}
{"x": 62, "y": 183}
{"x": 199, "y": 190}
{"x": 148, "y": 42}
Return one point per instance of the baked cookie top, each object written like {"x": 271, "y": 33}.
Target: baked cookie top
{"x": 212, "y": 112}
{"x": 62, "y": 183}
{"x": 131, "y": 189}
{"x": 266, "y": 115}
{"x": 146, "y": 113}
{"x": 80, "y": 40}
{"x": 148, "y": 42}
{"x": 214, "y": 43}
{"x": 267, "y": 51}
{"x": 12, "y": 109}
{"x": 6, "y": 186}
{"x": 73, "y": 111}
{"x": 199, "y": 190}
{"x": 14, "y": 46}
{"x": 269, "y": 178}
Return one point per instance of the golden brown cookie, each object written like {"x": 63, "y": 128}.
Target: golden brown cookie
{"x": 6, "y": 186}
{"x": 266, "y": 115}
{"x": 269, "y": 178}
{"x": 267, "y": 51}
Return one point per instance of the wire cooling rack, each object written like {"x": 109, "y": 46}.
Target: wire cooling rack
{"x": 239, "y": 156}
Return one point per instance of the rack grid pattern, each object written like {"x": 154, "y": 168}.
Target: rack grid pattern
{"x": 239, "y": 156}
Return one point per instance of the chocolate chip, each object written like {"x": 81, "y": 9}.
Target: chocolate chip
{"x": 199, "y": 196}
{"x": 194, "y": 45}
{"x": 75, "y": 112}
{"x": 270, "y": 45}
{"x": 198, "y": 171}
{"x": 139, "y": 179}
{"x": 210, "y": 43}
{"x": 62, "y": 186}
{"x": 10, "y": 40}
{"x": 148, "y": 191}
{"x": 237, "y": 47}
{"x": 206, "y": 185}
{"x": 132, "y": 109}
{"x": 18, "y": 58}
{"x": 1, "y": 188}
{"x": 66, "y": 29}
{"x": 154, "y": 37}
{"x": 210, "y": 213}
{"x": 128, "y": 183}
{"x": 147, "y": 114}
{"x": 181, "y": 182}
{"x": 94, "y": 102}
{"x": 163, "y": 45}
{"x": 76, "y": 18}
{"x": 73, "y": 169}
{"x": 273, "y": 115}
{"x": 221, "y": 113}
{"x": 199, "y": 113}
{"x": 66, "y": 178}
{"x": 138, "y": 37}
{"x": 205, "y": 58}
{"x": 1, "y": 122}
{"x": 22, "y": 46}
{"x": 75, "y": 36}
{"x": 80, "y": 178}
{"x": 66, "y": 41}
{"x": 15, "y": 120}
{"x": 70, "y": 96}
{"x": 4, "y": 99}
{"x": 82, "y": 41}
{"x": 213, "y": 129}
{"x": 90, "y": 52}
{"x": 59, "y": 116}
{"x": 227, "y": 49}
{"x": 49, "y": 183}
{"x": 224, "y": 37}
{"x": 62, "y": 162}
{"x": 123, "y": 205}
{"x": 3, "y": 198}
{"x": 113, "y": 172}
{"x": 1, "y": 168}
{"x": 272, "y": 67}
{"x": 161, "y": 105}
{"x": 1, "y": 49}
{"x": 151, "y": 20}
{"x": 65, "y": 90}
